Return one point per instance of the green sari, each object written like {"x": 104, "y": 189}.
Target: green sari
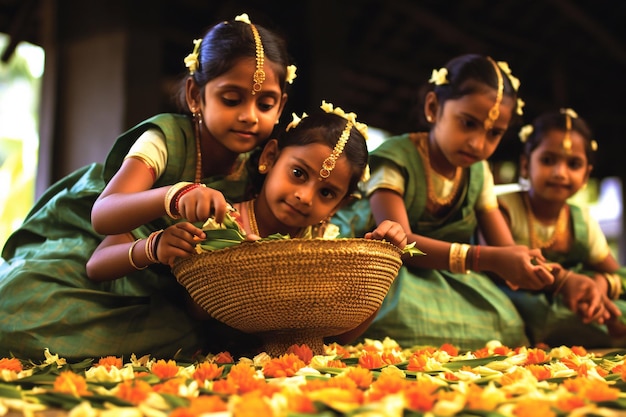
{"x": 426, "y": 306}
{"x": 548, "y": 320}
{"x": 46, "y": 298}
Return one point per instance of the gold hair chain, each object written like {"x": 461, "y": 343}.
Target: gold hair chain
{"x": 329, "y": 163}
{"x": 259, "y": 73}
{"x": 494, "y": 112}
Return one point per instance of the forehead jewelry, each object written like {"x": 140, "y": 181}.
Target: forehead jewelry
{"x": 259, "y": 73}
{"x": 329, "y": 163}
{"x": 494, "y": 112}
{"x": 567, "y": 140}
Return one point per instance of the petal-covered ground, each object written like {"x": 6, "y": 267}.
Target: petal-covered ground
{"x": 377, "y": 378}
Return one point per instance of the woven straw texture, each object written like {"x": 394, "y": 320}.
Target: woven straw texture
{"x": 307, "y": 286}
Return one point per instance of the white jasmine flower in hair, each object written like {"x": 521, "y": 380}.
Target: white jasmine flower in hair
{"x": 525, "y": 132}
{"x": 191, "y": 60}
{"x": 439, "y": 77}
{"x": 504, "y": 66}
{"x": 243, "y": 18}
{"x": 520, "y": 106}
{"x": 291, "y": 73}
{"x": 296, "y": 121}
{"x": 570, "y": 112}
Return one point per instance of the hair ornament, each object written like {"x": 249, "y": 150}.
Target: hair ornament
{"x": 520, "y": 107}
{"x": 259, "y": 74}
{"x": 295, "y": 121}
{"x": 504, "y": 66}
{"x": 351, "y": 117}
{"x": 525, "y": 132}
{"x": 567, "y": 140}
{"x": 439, "y": 77}
{"x": 291, "y": 73}
{"x": 329, "y": 163}
{"x": 494, "y": 112}
{"x": 191, "y": 60}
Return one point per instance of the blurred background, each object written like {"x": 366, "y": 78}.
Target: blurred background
{"x": 75, "y": 74}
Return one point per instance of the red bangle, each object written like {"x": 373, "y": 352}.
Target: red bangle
{"x": 181, "y": 193}
{"x": 476, "y": 257}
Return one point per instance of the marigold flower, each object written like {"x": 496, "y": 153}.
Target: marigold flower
{"x": 302, "y": 351}
{"x": 163, "y": 369}
{"x": 207, "y": 371}
{"x": 417, "y": 363}
{"x": 418, "y": 398}
{"x": 386, "y": 384}
{"x": 70, "y": 383}
{"x": 541, "y": 372}
{"x": 300, "y": 403}
{"x": 487, "y": 399}
{"x": 337, "y": 350}
{"x": 171, "y": 386}
{"x": 570, "y": 403}
{"x": 371, "y": 360}
{"x": 11, "y": 364}
{"x": 286, "y": 365}
{"x": 533, "y": 408}
{"x": 449, "y": 349}
{"x": 133, "y": 391}
{"x": 223, "y": 357}
{"x": 110, "y": 361}
{"x": 241, "y": 377}
{"x": 252, "y": 405}
{"x": 201, "y": 405}
{"x": 335, "y": 363}
{"x": 535, "y": 356}
{"x": 363, "y": 377}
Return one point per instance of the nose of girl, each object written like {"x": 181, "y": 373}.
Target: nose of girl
{"x": 304, "y": 195}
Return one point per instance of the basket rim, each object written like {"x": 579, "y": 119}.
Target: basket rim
{"x": 349, "y": 241}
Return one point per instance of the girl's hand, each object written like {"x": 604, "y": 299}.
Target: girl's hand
{"x": 178, "y": 241}
{"x": 391, "y": 232}
{"x": 201, "y": 203}
{"x": 581, "y": 295}
{"x": 519, "y": 266}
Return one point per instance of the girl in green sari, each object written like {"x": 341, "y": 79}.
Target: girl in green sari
{"x": 232, "y": 98}
{"x": 438, "y": 186}
{"x": 584, "y": 305}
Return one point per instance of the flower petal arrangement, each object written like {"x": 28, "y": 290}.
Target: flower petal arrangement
{"x": 374, "y": 378}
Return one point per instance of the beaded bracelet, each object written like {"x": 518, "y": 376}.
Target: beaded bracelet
{"x": 182, "y": 192}
{"x": 130, "y": 256}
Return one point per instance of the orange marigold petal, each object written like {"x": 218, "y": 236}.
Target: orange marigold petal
{"x": 11, "y": 364}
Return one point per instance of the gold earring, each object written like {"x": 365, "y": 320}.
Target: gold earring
{"x": 262, "y": 168}
{"x": 429, "y": 118}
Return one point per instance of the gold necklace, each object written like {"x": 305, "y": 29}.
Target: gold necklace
{"x": 197, "y": 119}
{"x": 430, "y": 186}
{"x": 254, "y": 228}
{"x": 560, "y": 227}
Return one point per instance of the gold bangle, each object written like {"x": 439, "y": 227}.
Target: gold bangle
{"x": 463, "y": 258}
{"x": 130, "y": 256}
{"x": 457, "y": 257}
{"x": 453, "y": 255}
{"x": 150, "y": 247}
{"x": 615, "y": 285}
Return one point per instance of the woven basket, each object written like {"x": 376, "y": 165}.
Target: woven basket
{"x": 294, "y": 290}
